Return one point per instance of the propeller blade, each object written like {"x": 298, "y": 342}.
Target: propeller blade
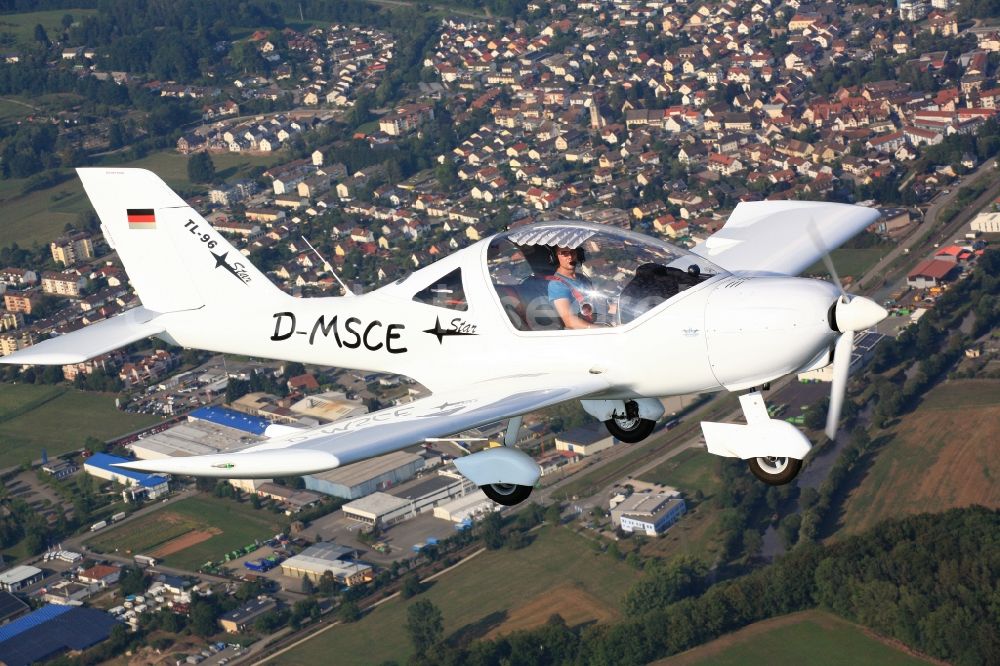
{"x": 838, "y": 387}
{"x": 827, "y": 261}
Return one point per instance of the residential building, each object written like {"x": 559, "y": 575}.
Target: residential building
{"x": 68, "y": 250}
{"x": 62, "y": 284}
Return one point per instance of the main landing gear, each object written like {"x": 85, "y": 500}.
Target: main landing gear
{"x": 507, "y": 494}
{"x": 630, "y": 427}
{"x": 773, "y": 449}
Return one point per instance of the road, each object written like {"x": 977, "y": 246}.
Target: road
{"x": 929, "y": 223}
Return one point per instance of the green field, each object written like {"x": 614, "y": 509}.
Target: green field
{"x": 57, "y": 419}
{"x": 495, "y": 583}
{"x": 811, "y": 637}
{"x": 235, "y": 525}
{"x": 963, "y": 393}
{"x": 22, "y": 26}
{"x": 688, "y": 471}
{"x": 42, "y": 215}
{"x": 850, "y": 262}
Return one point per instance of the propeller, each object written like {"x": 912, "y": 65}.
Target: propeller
{"x": 848, "y": 314}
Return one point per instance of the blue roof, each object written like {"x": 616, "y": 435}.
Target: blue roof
{"x": 53, "y": 629}
{"x": 31, "y": 620}
{"x": 107, "y": 462}
{"x": 254, "y": 425}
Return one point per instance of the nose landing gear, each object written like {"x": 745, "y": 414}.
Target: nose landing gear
{"x": 630, "y": 427}
{"x": 774, "y": 470}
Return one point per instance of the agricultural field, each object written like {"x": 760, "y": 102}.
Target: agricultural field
{"x": 810, "y": 637}
{"x": 945, "y": 454}
{"x": 58, "y": 419}
{"x": 558, "y": 573}
{"x": 188, "y": 533}
{"x": 850, "y": 262}
{"x": 21, "y": 27}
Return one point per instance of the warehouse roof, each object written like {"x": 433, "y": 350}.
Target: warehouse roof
{"x": 51, "y": 630}
{"x": 106, "y": 462}
{"x": 356, "y": 474}
{"x": 377, "y": 504}
{"x": 232, "y": 419}
{"x": 17, "y": 574}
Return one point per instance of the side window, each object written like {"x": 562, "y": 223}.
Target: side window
{"x": 446, "y": 292}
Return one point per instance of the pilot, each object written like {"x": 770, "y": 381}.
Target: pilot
{"x": 567, "y": 290}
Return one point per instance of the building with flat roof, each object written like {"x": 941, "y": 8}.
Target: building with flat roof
{"x": 11, "y": 608}
{"x": 328, "y": 406}
{"x": 239, "y": 619}
{"x": 51, "y": 630}
{"x": 254, "y": 425}
{"x": 468, "y": 506}
{"x": 384, "y": 509}
{"x": 101, "y": 465}
{"x": 585, "y": 440}
{"x": 192, "y": 438}
{"x": 20, "y": 577}
{"x": 379, "y": 509}
{"x": 650, "y": 513}
{"x": 316, "y": 560}
{"x": 366, "y": 477}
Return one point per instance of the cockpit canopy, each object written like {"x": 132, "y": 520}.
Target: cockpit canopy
{"x": 619, "y": 275}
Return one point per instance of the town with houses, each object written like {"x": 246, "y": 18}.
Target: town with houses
{"x": 649, "y": 115}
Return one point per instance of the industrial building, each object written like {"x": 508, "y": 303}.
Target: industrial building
{"x": 254, "y": 425}
{"x": 51, "y": 630}
{"x": 20, "y": 577}
{"x": 239, "y": 619}
{"x": 149, "y": 485}
{"x": 650, "y": 513}
{"x": 931, "y": 273}
{"x": 316, "y": 560}
{"x": 194, "y": 438}
{"x": 11, "y": 607}
{"x": 328, "y": 406}
{"x": 366, "y": 477}
{"x": 585, "y": 440}
{"x": 463, "y": 508}
{"x": 384, "y": 509}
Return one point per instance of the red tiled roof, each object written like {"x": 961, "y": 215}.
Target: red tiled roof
{"x": 932, "y": 268}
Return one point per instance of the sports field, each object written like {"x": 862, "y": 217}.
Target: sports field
{"x": 495, "y": 592}
{"x": 57, "y": 419}
{"x": 945, "y": 454}
{"x": 810, "y": 637}
{"x": 188, "y": 533}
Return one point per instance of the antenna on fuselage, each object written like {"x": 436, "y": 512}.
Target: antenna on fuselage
{"x": 329, "y": 267}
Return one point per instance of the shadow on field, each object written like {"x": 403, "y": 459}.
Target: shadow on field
{"x": 859, "y": 472}
{"x": 476, "y": 630}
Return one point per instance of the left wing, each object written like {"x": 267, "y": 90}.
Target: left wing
{"x": 783, "y": 237}
{"x": 318, "y": 449}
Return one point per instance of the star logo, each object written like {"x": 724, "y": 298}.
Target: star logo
{"x": 220, "y": 262}
{"x": 441, "y": 333}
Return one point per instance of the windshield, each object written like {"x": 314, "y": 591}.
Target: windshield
{"x": 555, "y": 276}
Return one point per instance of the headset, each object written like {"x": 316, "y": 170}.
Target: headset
{"x": 581, "y": 256}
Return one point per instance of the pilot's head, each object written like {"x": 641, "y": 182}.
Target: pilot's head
{"x": 568, "y": 258}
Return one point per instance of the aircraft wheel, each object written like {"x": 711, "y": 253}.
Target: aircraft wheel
{"x": 507, "y": 494}
{"x": 630, "y": 429}
{"x": 775, "y": 470}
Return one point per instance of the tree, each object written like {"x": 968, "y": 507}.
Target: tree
{"x": 40, "y": 35}
{"x": 348, "y": 612}
{"x": 553, "y": 514}
{"x": 425, "y": 626}
{"x": 411, "y": 586}
{"x": 490, "y": 529}
{"x": 203, "y": 618}
{"x": 307, "y": 585}
{"x": 200, "y": 168}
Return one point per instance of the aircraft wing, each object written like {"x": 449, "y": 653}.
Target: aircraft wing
{"x": 325, "y": 447}
{"x": 775, "y": 237}
{"x": 90, "y": 341}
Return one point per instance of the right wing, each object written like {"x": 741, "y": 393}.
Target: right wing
{"x": 783, "y": 237}
{"x": 325, "y": 447}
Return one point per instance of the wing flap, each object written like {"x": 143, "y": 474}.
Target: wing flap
{"x": 90, "y": 341}
{"x": 774, "y": 236}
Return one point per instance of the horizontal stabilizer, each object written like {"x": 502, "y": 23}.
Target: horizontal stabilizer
{"x": 91, "y": 341}
{"x": 254, "y": 465}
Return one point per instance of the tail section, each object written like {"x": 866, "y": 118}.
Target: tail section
{"x": 174, "y": 258}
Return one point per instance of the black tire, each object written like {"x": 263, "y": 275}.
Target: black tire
{"x": 507, "y": 494}
{"x": 628, "y": 430}
{"x": 775, "y": 471}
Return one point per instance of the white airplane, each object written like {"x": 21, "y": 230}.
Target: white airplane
{"x": 507, "y": 326}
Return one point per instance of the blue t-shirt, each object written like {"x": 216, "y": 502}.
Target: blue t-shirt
{"x": 561, "y": 286}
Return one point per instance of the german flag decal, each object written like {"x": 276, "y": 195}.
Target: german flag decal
{"x": 141, "y": 218}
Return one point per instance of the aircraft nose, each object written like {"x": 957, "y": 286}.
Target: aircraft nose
{"x": 761, "y": 328}
{"x": 855, "y": 313}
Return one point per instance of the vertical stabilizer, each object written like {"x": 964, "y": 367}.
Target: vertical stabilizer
{"x": 174, "y": 258}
